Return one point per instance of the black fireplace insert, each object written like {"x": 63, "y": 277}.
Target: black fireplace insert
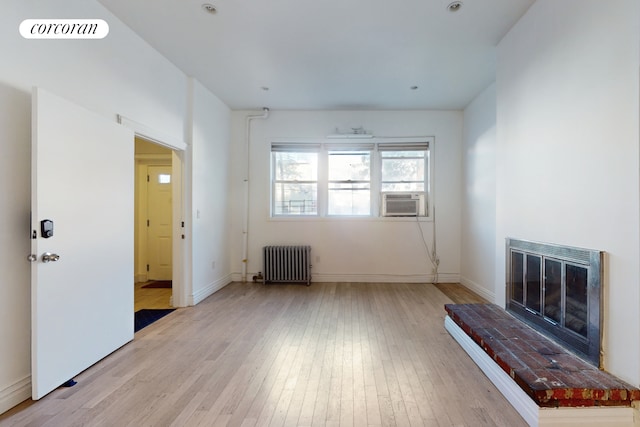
{"x": 557, "y": 290}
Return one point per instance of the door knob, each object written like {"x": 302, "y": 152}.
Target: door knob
{"x": 32, "y": 258}
{"x": 49, "y": 257}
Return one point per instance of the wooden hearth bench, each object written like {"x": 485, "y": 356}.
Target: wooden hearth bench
{"x": 546, "y": 383}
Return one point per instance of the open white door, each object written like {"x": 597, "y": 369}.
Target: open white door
{"x": 82, "y": 181}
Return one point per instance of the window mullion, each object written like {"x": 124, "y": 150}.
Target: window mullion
{"x": 323, "y": 177}
{"x": 376, "y": 185}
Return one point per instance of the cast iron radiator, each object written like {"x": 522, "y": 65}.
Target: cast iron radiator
{"x": 287, "y": 264}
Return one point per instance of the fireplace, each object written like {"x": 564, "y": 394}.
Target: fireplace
{"x": 557, "y": 290}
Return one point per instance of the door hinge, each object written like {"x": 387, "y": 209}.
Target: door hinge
{"x": 147, "y": 267}
{"x": 147, "y": 223}
{"x": 182, "y": 224}
{"x": 148, "y": 180}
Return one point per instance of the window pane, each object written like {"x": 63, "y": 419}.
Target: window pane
{"x": 164, "y": 178}
{"x": 290, "y": 166}
{"x": 349, "y": 166}
{"x": 349, "y": 199}
{"x": 403, "y": 170}
{"x": 295, "y": 199}
{"x": 402, "y": 186}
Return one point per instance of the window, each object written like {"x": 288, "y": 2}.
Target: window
{"x": 348, "y": 179}
{"x": 349, "y": 182}
{"x": 403, "y": 168}
{"x": 295, "y": 180}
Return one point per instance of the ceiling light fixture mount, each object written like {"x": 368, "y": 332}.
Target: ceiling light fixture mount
{"x": 209, "y": 8}
{"x": 455, "y": 6}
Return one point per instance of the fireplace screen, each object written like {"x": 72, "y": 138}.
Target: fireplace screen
{"x": 557, "y": 290}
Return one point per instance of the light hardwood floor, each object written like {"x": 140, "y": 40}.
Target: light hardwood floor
{"x": 151, "y": 297}
{"x": 332, "y": 354}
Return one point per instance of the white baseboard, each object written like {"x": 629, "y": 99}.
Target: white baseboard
{"x": 478, "y": 289}
{"x": 526, "y": 407}
{"x": 15, "y": 394}
{"x": 371, "y": 278}
{"x": 210, "y": 289}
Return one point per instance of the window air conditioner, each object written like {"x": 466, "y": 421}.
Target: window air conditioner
{"x": 403, "y": 204}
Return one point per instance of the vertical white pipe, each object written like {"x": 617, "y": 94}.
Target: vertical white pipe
{"x": 247, "y": 199}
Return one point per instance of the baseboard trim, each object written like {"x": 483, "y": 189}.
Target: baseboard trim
{"x": 373, "y": 278}
{"x": 478, "y": 289}
{"x": 210, "y": 289}
{"x": 15, "y": 394}
{"x": 526, "y": 407}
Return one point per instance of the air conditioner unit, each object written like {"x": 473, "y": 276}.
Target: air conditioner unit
{"x": 403, "y": 204}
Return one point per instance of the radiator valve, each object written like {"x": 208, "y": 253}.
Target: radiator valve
{"x": 258, "y": 277}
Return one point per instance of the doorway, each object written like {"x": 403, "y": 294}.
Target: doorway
{"x": 153, "y": 251}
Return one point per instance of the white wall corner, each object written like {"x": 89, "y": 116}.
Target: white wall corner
{"x": 15, "y": 394}
{"x": 209, "y": 290}
{"x": 478, "y": 289}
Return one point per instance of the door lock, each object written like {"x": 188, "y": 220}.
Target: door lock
{"x": 32, "y": 258}
{"x": 49, "y": 257}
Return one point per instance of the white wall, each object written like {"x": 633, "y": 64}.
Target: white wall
{"x": 374, "y": 249}
{"x": 118, "y": 74}
{"x": 210, "y": 214}
{"x": 568, "y": 149}
{"x": 478, "y": 222}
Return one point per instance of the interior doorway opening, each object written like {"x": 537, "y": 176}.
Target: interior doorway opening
{"x": 154, "y": 230}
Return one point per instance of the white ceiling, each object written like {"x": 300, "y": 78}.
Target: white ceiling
{"x": 329, "y": 54}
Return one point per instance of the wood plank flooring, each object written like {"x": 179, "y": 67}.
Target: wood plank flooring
{"x": 332, "y": 354}
{"x": 151, "y": 297}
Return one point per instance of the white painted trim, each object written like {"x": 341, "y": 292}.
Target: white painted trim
{"x": 181, "y": 184}
{"x": 372, "y": 278}
{"x": 476, "y": 288}
{"x": 151, "y": 134}
{"x": 15, "y": 394}
{"x": 526, "y": 407}
{"x": 154, "y": 157}
{"x": 212, "y": 288}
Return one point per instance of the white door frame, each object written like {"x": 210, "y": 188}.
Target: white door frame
{"x": 181, "y": 205}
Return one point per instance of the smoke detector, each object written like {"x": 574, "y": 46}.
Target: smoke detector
{"x": 209, "y": 8}
{"x": 455, "y": 6}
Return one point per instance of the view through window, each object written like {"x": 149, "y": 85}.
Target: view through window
{"x": 310, "y": 179}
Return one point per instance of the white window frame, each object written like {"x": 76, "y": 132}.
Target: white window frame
{"x": 296, "y": 148}
{"x": 323, "y": 147}
{"x": 369, "y": 148}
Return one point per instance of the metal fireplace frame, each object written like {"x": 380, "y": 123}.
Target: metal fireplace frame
{"x": 588, "y": 347}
